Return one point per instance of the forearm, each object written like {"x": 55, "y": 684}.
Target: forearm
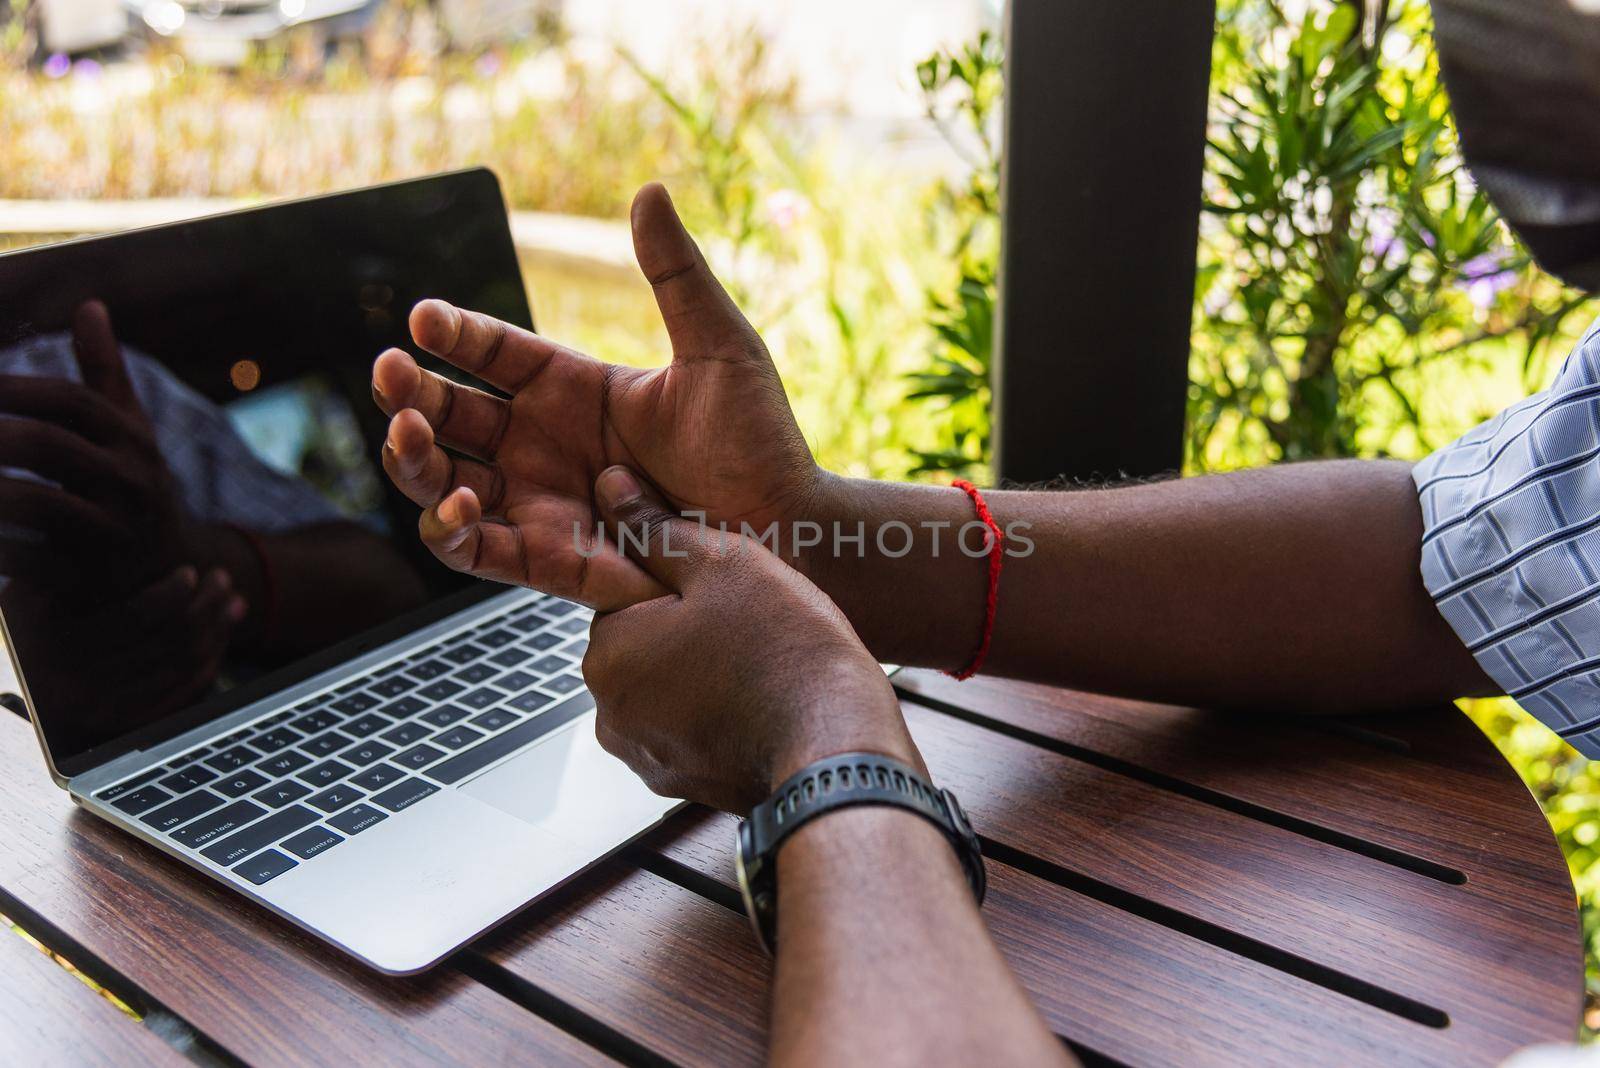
{"x": 1294, "y": 586}
{"x": 881, "y": 949}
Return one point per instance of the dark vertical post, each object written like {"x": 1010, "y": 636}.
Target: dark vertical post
{"x": 1104, "y": 142}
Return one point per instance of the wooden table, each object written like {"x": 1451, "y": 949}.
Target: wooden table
{"x": 1173, "y": 886}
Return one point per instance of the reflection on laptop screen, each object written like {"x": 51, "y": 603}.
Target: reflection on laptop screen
{"x": 192, "y": 509}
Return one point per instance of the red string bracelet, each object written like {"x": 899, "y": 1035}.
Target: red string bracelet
{"x": 997, "y": 555}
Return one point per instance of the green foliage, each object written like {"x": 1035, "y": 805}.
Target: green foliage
{"x": 961, "y": 92}
{"x": 1351, "y": 277}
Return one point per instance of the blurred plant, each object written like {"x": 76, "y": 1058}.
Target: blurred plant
{"x": 1347, "y": 263}
{"x": 822, "y": 276}
{"x": 962, "y": 91}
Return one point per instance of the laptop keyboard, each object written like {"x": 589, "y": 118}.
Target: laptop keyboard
{"x": 295, "y": 784}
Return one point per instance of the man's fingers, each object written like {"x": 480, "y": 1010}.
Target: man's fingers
{"x": 100, "y": 356}
{"x": 701, "y": 319}
{"x": 647, "y": 531}
{"x": 455, "y": 531}
{"x": 425, "y": 473}
{"x": 464, "y": 418}
{"x": 499, "y": 353}
{"x": 56, "y": 453}
{"x": 67, "y": 404}
{"x": 52, "y": 510}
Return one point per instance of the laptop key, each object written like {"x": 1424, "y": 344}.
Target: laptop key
{"x": 512, "y": 681}
{"x": 543, "y": 641}
{"x": 406, "y": 706}
{"x": 240, "y": 783}
{"x": 419, "y": 756}
{"x": 365, "y": 753}
{"x": 281, "y": 793}
{"x": 439, "y": 691}
{"x": 188, "y": 778}
{"x": 563, "y": 684}
{"x": 445, "y": 715}
{"x": 456, "y": 737}
{"x": 531, "y": 621}
{"x": 428, "y": 670}
{"x": 329, "y": 771}
{"x": 357, "y": 819}
{"x": 355, "y": 704}
{"x": 531, "y": 701}
{"x": 182, "y": 810}
{"x": 477, "y": 672}
{"x": 494, "y": 639}
{"x": 463, "y": 654}
{"x": 323, "y": 744}
{"x": 111, "y": 793}
{"x": 407, "y": 733}
{"x": 516, "y": 656}
{"x": 393, "y": 686}
{"x": 259, "y": 835}
{"x": 405, "y": 794}
{"x": 557, "y": 608}
{"x": 274, "y": 740}
{"x": 319, "y": 720}
{"x": 489, "y": 750}
{"x": 336, "y": 797}
{"x": 575, "y": 625}
{"x": 214, "y": 825}
{"x": 371, "y": 723}
{"x": 266, "y": 867}
{"x": 494, "y": 719}
{"x": 144, "y": 799}
{"x": 480, "y": 698}
{"x": 236, "y": 757}
{"x": 284, "y": 763}
{"x": 308, "y": 844}
{"x": 550, "y": 664}
{"x": 378, "y": 777}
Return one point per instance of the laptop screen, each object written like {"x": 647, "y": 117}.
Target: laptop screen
{"x": 193, "y": 512}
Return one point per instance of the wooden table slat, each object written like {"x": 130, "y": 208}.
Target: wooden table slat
{"x": 1374, "y": 922}
{"x": 655, "y": 962}
{"x": 1449, "y": 784}
{"x": 48, "y": 1017}
{"x": 1129, "y": 989}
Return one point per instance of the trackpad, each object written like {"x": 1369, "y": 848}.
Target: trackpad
{"x": 572, "y": 788}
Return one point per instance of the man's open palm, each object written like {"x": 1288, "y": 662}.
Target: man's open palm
{"x": 509, "y": 495}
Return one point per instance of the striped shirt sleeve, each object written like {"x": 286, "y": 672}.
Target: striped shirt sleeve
{"x": 1511, "y": 546}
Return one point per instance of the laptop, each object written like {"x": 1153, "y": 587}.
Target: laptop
{"x": 388, "y": 754}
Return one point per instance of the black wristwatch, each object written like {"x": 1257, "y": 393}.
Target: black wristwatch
{"x": 834, "y": 783}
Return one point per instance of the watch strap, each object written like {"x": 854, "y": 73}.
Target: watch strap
{"x": 843, "y": 781}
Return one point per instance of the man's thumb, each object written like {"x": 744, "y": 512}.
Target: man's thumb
{"x": 646, "y": 530}
{"x": 700, "y": 317}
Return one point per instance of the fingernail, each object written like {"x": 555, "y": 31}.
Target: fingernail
{"x": 617, "y": 486}
{"x": 450, "y": 510}
{"x": 237, "y": 608}
{"x": 188, "y": 576}
{"x": 221, "y": 579}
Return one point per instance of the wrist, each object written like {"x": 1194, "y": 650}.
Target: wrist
{"x": 827, "y": 504}
{"x": 844, "y": 724}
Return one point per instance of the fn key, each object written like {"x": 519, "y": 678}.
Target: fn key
{"x": 264, "y": 866}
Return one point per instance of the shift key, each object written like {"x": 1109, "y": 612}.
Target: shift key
{"x": 219, "y": 823}
{"x": 258, "y": 836}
